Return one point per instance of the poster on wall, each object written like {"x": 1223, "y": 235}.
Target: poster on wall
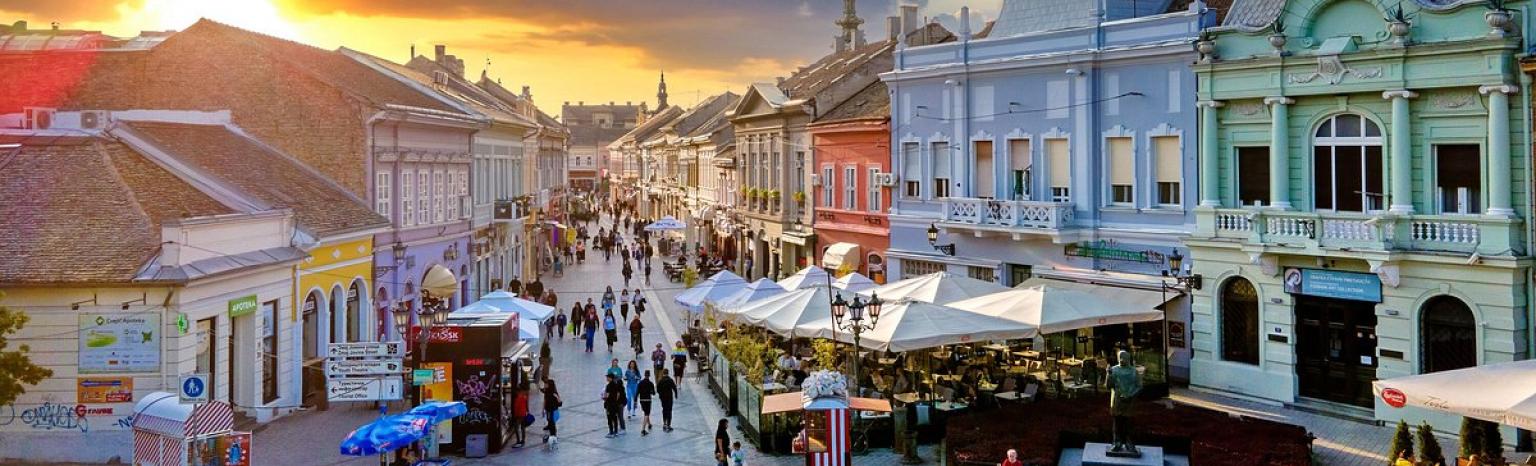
{"x": 119, "y": 343}
{"x": 104, "y": 390}
{"x": 230, "y": 449}
{"x": 442, "y": 390}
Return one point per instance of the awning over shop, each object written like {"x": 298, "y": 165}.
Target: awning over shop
{"x": 1053, "y": 306}
{"x": 440, "y": 282}
{"x": 841, "y": 256}
{"x": 1504, "y": 393}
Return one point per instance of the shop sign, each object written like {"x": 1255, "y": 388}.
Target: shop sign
{"x": 1176, "y": 334}
{"x": 242, "y": 306}
{"x": 104, "y": 390}
{"x": 1334, "y": 284}
{"x": 442, "y": 334}
{"x": 1394, "y": 397}
{"x": 119, "y": 343}
{"x": 1112, "y": 250}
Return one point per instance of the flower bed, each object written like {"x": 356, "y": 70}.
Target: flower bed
{"x": 1040, "y": 430}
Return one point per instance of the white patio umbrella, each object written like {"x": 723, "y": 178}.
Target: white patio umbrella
{"x": 1504, "y": 393}
{"x": 854, "y": 283}
{"x": 1052, "y": 309}
{"x": 762, "y": 288}
{"x": 937, "y": 288}
{"x": 796, "y": 313}
{"x": 915, "y": 325}
{"x": 511, "y": 303}
{"x": 527, "y": 328}
{"x": 711, "y": 290}
{"x": 666, "y": 223}
{"x": 810, "y": 276}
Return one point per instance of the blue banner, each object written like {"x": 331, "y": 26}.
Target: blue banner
{"x": 1334, "y": 284}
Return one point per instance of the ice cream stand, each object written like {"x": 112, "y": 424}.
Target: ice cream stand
{"x": 827, "y": 417}
{"x": 167, "y": 432}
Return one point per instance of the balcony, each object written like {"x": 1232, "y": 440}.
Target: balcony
{"x": 1349, "y": 231}
{"x": 1002, "y": 216}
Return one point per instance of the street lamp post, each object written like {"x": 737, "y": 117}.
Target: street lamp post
{"x": 852, "y": 317}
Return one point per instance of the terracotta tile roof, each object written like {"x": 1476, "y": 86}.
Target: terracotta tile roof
{"x": 806, "y": 82}
{"x": 873, "y": 102}
{"x": 583, "y": 114}
{"x": 696, "y": 120}
{"x": 650, "y": 127}
{"x": 329, "y": 66}
{"x": 587, "y": 136}
{"x": 421, "y": 70}
{"x": 63, "y": 79}
{"x": 254, "y": 169}
{"x": 61, "y": 230}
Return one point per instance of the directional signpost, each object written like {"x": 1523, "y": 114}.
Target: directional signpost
{"x": 364, "y": 371}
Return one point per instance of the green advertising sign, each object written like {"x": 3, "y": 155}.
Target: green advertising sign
{"x": 242, "y": 306}
{"x": 422, "y": 376}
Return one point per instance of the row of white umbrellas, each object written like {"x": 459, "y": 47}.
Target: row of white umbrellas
{"x": 529, "y": 314}
{"x": 923, "y": 312}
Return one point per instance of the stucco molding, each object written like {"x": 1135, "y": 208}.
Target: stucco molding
{"x": 981, "y": 135}
{"x": 1119, "y": 131}
{"x": 1279, "y": 100}
{"x": 1055, "y": 133}
{"x": 1506, "y": 89}
{"x": 1164, "y": 129}
{"x": 1403, "y": 93}
{"x": 1210, "y": 104}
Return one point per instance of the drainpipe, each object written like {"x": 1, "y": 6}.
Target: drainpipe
{"x": 971, "y": 176}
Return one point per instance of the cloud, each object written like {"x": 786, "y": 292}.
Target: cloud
{"x": 43, "y": 12}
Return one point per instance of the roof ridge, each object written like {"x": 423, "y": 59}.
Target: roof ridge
{"x": 300, "y": 165}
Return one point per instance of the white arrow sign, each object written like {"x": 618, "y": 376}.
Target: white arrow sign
{"x": 384, "y": 349}
{"x": 386, "y": 388}
{"x": 366, "y": 367}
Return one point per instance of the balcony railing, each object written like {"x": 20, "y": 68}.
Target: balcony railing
{"x": 1359, "y": 231}
{"x": 1008, "y": 214}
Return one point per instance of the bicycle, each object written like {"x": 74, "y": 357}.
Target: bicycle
{"x": 858, "y": 436}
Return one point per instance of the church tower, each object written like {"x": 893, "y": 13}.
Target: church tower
{"x": 661, "y": 93}
{"x": 851, "y": 37}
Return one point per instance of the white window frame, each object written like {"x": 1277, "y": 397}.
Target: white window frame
{"x": 382, "y": 201}
{"x": 1025, "y": 192}
{"x": 439, "y": 196}
{"x": 942, "y": 189}
{"x": 828, "y": 186}
{"x": 875, "y": 200}
{"x": 1334, "y": 143}
{"x": 1107, "y": 157}
{"x": 975, "y": 164}
{"x": 1166, "y": 131}
{"x": 1057, "y": 194}
{"x": 424, "y": 196}
{"x": 407, "y": 197}
{"x": 911, "y": 183}
{"x": 850, "y": 187}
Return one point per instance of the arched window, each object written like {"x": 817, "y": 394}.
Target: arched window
{"x": 1346, "y": 165}
{"x": 1240, "y": 322}
{"x": 1448, "y": 336}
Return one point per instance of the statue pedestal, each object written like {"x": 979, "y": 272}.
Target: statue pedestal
{"x": 1097, "y": 454}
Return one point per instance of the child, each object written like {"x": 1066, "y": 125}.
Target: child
{"x": 738, "y": 456}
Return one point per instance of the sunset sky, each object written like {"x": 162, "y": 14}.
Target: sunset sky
{"x": 568, "y": 50}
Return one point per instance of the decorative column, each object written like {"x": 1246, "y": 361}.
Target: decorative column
{"x": 1209, "y": 156}
{"x": 1498, "y": 148}
{"x": 1401, "y": 189}
{"x": 1279, "y": 152}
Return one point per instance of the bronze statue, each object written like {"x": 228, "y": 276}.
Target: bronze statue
{"x": 1124, "y": 383}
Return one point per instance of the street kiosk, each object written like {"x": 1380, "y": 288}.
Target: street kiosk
{"x": 827, "y": 436}
{"x": 484, "y": 360}
{"x": 167, "y": 432}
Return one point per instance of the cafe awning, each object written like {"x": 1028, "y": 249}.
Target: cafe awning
{"x": 811, "y": 276}
{"x": 794, "y": 401}
{"x": 440, "y": 282}
{"x": 1053, "y": 306}
{"x": 841, "y": 256}
{"x": 916, "y": 325}
{"x": 1503, "y": 393}
{"x": 937, "y": 287}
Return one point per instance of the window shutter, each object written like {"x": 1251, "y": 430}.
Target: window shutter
{"x": 1122, "y": 164}
{"x": 941, "y": 160}
{"x": 1061, "y": 169}
{"x": 1170, "y": 166}
{"x": 1018, "y": 154}
{"x": 911, "y": 161}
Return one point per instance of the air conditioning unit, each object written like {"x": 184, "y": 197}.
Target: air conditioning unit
{"x": 37, "y": 118}
{"x": 885, "y": 179}
{"x": 815, "y": 179}
{"x": 93, "y": 119}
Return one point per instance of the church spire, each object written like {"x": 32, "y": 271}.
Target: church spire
{"x": 661, "y": 92}
{"x": 851, "y": 36}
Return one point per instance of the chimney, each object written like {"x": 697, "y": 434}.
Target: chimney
{"x": 965, "y": 23}
{"x": 579, "y": 103}
{"x": 438, "y": 51}
{"x": 566, "y": 104}
{"x": 629, "y": 103}
{"x": 610, "y": 103}
{"x": 908, "y": 18}
{"x": 892, "y": 27}
{"x": 527, "y": 92}
{"x": 413, "y": 52}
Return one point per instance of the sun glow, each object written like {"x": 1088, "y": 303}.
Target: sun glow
{"x": 255, "y": 15}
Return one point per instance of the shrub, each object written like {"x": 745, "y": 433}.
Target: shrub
{"x": 1402, "y": 441}
{"x": 1429, "y": 446}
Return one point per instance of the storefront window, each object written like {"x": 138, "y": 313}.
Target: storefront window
{"x": 205, "y": 351}
{"x": 915, "y": 268}
{"x": 269, "y": 320}
{"x": 1449, "y": 335}
{"x": 1240, "y": 322}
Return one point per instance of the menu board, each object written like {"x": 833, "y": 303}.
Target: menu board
{"x": 119, "y": 343}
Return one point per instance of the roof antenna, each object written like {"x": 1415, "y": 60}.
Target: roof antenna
{"x": 487, "y": 69}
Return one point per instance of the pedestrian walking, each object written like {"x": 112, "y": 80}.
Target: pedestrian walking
{"x": 639, "y": 303}
{"x": 722, "y": 442}
{"x": 610, "y": 329}
{"x": 565, "y": 323}
{"x": 631, "y": 384}
{"x": 627, "y": 271}
{"x": 738, "y": 455}
{"x": 613, "y": 403}
{"x": 551, "y": 408}
{"x": 534, "y": 290}
{"x": 666, "y": 390}
{"x": 679, "y": 359}
{"x": 644, "y": 392}
{"x": 624, "y": 304}
{"x": 590, "y": 331}
{"x": 519, "y": 412}
{"x": 658, "y": 359}
{"x": 608, "y": 300}
{"x": 635, "y": 327}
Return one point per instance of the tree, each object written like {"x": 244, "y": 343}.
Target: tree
{"x": 1492, "y": 450}
{"x": 1429, "y": 447}
{"x": 1471, "y": 437}
{"x": 16, "y": 368}
{"x": 1402, "y": 441}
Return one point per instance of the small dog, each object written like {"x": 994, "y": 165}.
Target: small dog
{"x": 551, "y": 443}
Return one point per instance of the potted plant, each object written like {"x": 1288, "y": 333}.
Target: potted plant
{"x": 1480, "y": 438}
{"x": 1402, "y": 441}
{"x": 1398, "y": 22}
{"x": 1429, "y": 446}
{"x": 1497, "y": 17}
{"x": 1277, "y": 33}
{"x": 1206, "y": 46}
{"x": 799, "y": 197}
{"x": 773, "y": 194}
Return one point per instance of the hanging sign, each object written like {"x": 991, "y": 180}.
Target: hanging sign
{"x": 242, "y": 306}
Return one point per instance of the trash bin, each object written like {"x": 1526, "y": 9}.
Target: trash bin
{"x": 476, "y": 445}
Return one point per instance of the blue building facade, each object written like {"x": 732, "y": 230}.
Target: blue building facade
{"x": 1058, "y": 143}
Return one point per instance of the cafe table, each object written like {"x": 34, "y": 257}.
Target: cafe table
{"x": 1027, "y": 354}
{"x": 908, "y": 398}
{"x": 946, "y": 377}
{"x": 1075, "y": 362}
{"x": 998, "y": 347}
{"x": 949, "y": 406}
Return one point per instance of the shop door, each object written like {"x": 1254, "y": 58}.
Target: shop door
{"x": 1336, "y": 349}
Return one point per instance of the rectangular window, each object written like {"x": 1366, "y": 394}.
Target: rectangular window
{"x": 1252, "y": 178}
{"x": 980, "y": 273}
{"x": 1170, "y": 168}
{"x": 269, "y": 333}
{"x": 381, "y": 198}
{"x": 439, "y": 196}
{"x": 916, "y": 268}
{"x": 1122, "y": 171}
{"x": 911, "y": 170}
{"x": 407, "y": 198}
{"x": 1020, "y": 159}
{"x": 1058, "y": 156}
{"x": 941, "y": 166}
{"x": 986, "y": 186}
{"x": 828, "y": 186}
{"x": 1458, "y": 179}
{"x": 875, "y": 202}
{"x": 1347, "y": 178}
{"x": 850, "y": 188}
{"x": 424, "y": 197}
